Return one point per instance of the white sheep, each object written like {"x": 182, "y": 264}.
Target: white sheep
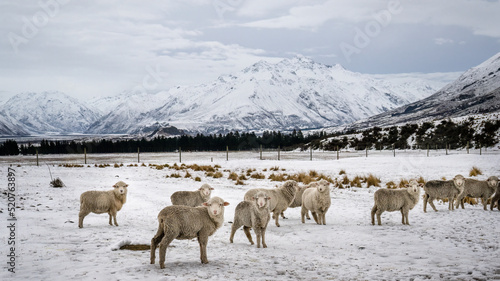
{"x": 252, "y": 214}
{"x": 317, "y": 200}
{"x": 438, "y": 189}
{"x": 478, "y": 189}
{"x": 184, "y": 222}
{"x": 496, "y": 198}
{"x": 297, "y": 201}
{"x": 280, "y": 197}
{"x": 192, "y": 198}
{"x": 391, "y": 200}
{"x": 99, "y": 202}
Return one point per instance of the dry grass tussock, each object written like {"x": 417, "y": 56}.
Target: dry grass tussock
{"x": 475, "y": 171}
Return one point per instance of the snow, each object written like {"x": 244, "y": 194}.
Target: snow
{"x": 459, "y": 245}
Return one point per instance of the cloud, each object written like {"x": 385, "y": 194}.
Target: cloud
{"x": 442, "y": 41}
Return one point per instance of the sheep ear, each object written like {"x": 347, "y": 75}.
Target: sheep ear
{"x": 407, "y": 185}
{"x": 205, "y": 204}
{"x": 421, "y": 184}
{"x": 226, "y": 203}
{"x": 211, "y": 188}
{"x": 268, "y": 198}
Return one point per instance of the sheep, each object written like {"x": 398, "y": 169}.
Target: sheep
{"x": 252, "y": 214}
{"x": 496, "y": 198}
{"x": 443, "y": 189}
{"x": 184, "y": 222}
{"x": 297, "y": 202}
{"x": 99, "y": 202}
{"x": 391, "y": 200}
{"x": 476, "y": 188}
{"x": 280, "y": 197}
{"x": 192, "y": 198}
{"x": 317, "y": 200}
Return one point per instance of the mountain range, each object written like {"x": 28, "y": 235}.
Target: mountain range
{"x": 293, "y": 93}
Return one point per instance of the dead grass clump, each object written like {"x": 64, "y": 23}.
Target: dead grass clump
{"x": 239, "y": 182}
{"x": 324, "y": 177}
{"x": 278, "y": 177}
{"x": 217, "y": 175}
{"x": 342, "y": 172}
{"x": 258, "y": 176}
{"x": 302, "y": 177}
{"x": 57, "y": 182}
{"x": 372, "y": 180}
{"x": 345, "y": 180}
{"x": 138, "y": 247}
{"x": 421, "y": 180}
{"x": 470, "y": 200}
{"x": 275, "y": 168}
{"x": 71, "y": 166}
{"x": 175, "y": 175}
{"x": 391, "y": 185}
{"x": 242, "y": 177}
{"x": 313, "y": 174}
{"x": 233, "y": 176}
{"x": 187, "y": 175}
{"x": 403, "y": 183}
{"x": 118, "y": 165}
{"x": 197, "y": 179}
{"x": 475, "y": 171}
{"x": 356, "y": 182}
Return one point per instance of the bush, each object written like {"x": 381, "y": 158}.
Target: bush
{"x": 356, "y": 182}
{"x": 342, "y": 172}
{"x": 258, "y": 176}
{"x": 372, "y": 180}
{"x": 391, "y": 185}
{"x": 345, "y": 180}
{"x": 233, "y": 176}
{"x": 475, "y": 171}
{"x": 197, "y": 179}
{"x": 218, "y": 175}
{"x": 403, "y": 183}
{"x": 57, "y": 182}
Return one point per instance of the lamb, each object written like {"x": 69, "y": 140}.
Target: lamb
{"x": 99, "y": 202}
{"x": 476, "y": 188}
{"x": 280, "y": 197}
{"x": 252, "y": 214}
{"x": 192, "y": 198}
{"x": 496, "y": 198}
{"x": 184, "y": 222}
{"x": 317, "y": 200}
{"x": 297, "y": 202}
{"x": 443, "y": 189}
{"x": 391, "y": 200}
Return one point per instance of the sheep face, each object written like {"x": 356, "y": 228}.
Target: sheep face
{"x": 261, "y": 199}
{"x": 215, "y": 206}
{"x": 322, "y": 187}
{"x": 206, "y": 189}
{"x": 492, "y": 181}
{"x": 414, "y": 186}
{"x": 459, "y": 180}
{"x": 120, "y": 187}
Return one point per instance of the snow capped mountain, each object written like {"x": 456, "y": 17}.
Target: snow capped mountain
{"x": 476, "y": 91}
{"x": 294, "y": 93}
{"x": 48, "y": 112}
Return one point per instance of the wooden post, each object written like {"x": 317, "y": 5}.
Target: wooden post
{"x": 337, "y": 152}
{"x": 446, "y": 149}
{"x": 227, "y": 153}
{"x": 427, "y": 150}
{"x": 311, "y": 153}
{"x": 366, "y": 151}
{"x": 278, "y": 153}
{"x": 138, "y": 157}
{"x": 37, "y": 158}
{"x": 180, "y": 154}
{"x": 480, "y": 150}
{"x": 394, "y": 150}
{"x": 85, "y": 153}
{"x": 261, "y": 152}
{"x": 467, "y": 147}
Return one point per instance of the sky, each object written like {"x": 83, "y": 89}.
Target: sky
{"x": 101, "y": 48}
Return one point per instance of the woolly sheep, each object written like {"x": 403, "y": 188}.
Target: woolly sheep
{"x": 192, "y": 198}
{"x": 99, "y": 202}
{"x": 280, "y": 197}
{"x": 297, "y": 201}
{"x": 184, "y": 222}
{"x": 496, "y": 198}
{"x": 476, "y": 188}
{"x": 391, "y": 200}
{"x": 317, "y": 200}
{"x": 436, "y": 189}
{"x": 252, "y": 214}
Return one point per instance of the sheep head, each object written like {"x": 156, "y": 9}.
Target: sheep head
{"x": 206, "y": 189}
{"x": 413, "y": 186}
{"x": 120, "y": 187}
{"x": 492, "y": 181}
{"x": 459, "y": 181}
{"x": 215, "y": 206}
{"x": 261, "y": 199}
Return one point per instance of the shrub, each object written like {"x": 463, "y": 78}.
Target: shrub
{"x": 242, "y": 177}
{"x": 233, "y": 176}
{"x": 197, "y": 179}
{"x": 391, "y": 184}
{"x": 277, "y": 177}
{"x": 175, "y": 175}
{"x": 239, "y": 182}
{"x": 218, "y": 175}
{"x": 403, "y": 183}
{"x": 258, "y": 176}
{"x": 372, "y": 180}
{"x": 475, "y": 171}
{"x": 342, "y": 172}
{"x": 275, "y": 168}
{"x": 187, "y": 175}
{"x": 324, "y": 177}
{"x": 356, "y": 182}
{"x": 313, "y": 174}
{"x": 345, "y": 180}
{"x": 57, "y": 182}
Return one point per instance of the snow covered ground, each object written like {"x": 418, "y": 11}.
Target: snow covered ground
{"x": 447, "y": 245}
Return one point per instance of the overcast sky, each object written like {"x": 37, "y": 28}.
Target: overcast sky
{"x": 101, "y": 48}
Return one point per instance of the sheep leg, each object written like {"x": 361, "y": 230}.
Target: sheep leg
{"x": 425, "y": 202}
{"x": 276, "y": 217}
{"x": 234, "y": 227}
{"x": 307, "y": 215}
{"x": 303, "y": 212}
{"x": 379, "y": 221}
{"x": 374, "y": 210}
{"x": 323, "y": 216}
{"x": 258, "y": 233}
{"x": 81, "y": 216}
{"x": 450, "y": 203}
{"x": 484, "y": 200}
{"x": 404, "y": 214}
{"x": 283, "y": 215}
{"x": 167, "y": 239}
{"x": 155, "y": 241}
{"x": 246, "y": 229}
{"x": 263, "y": 234}
{"x": 315, "y": 216}
{"x": 112, "y": 214}
{"x": 494, "y": 200}
{"x": 203, "y": 240}
{"x": 431, "y": 202}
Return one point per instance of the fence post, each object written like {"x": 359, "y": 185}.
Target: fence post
{"x": 37, "y": 158}
{"x": 467, "y": 147}
{"x": 366, "y": 151}
{"x": 138, "y": 157}
{"x": 180, "y": 154}
{"x": 311, "y": 153}
{"x": 427, "y": 150}
{"x": 394, "y": 150}
{"x": 261, "y": 152}
{"x": 278, "y": 153}
{"x": 85, "y": 153}
{"x": 446, "y": 149}
{"x": 480, "y": 150}
{"x": 227, "y": 153}
{"x": 337, "y": 152}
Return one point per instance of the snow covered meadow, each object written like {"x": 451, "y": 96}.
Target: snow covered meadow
{"x": 447, "y": 245}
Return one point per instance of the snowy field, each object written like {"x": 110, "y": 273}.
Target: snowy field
{"x": 447, "y": 245}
